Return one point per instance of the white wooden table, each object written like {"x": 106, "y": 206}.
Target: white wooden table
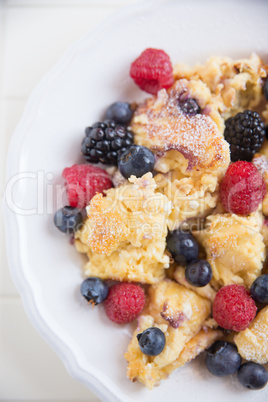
{"x": 33, "y": 36}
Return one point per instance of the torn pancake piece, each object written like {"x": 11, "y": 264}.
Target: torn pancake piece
{"x": 181, "y": 314}
{"x": 124, "y": 235}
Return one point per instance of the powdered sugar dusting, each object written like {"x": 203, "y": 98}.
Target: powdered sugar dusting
{"x": 167, "y": 128}
{"x": 253, "y": 342}
{"x": 261, "y": 163}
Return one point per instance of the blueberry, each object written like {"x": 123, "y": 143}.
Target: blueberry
{"x": 259, "y": 289}
{"x": 94, "y": 290}
{"x": 223, "y": 358}
{"x": 68, "y": 219}
{"x": 120, "y": 112}
{"x": 137, "y": 160}
{"x": 265, "y": 89}
{"x": 189, "y": 107}
{"x": 252, "y": 375}
{"x": 152, "y": 341}
{"x": 198, "y": 273}
{"x": 182, "y": 246}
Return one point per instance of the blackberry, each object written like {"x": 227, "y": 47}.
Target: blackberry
{"x": 105, "y": 142}
{"x": 265, "y": 89}
{"x": 245, "y": 133}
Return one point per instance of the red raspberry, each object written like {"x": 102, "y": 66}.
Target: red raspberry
{"x": 242, "y": 188}
{"x": 124, "y": 302}
{"x": 152, "y": 71}
{"x": 83, "y": 182}
{"x": 233, "y": 308}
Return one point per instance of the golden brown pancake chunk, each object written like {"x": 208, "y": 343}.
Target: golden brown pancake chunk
{"x": 181, "y": 314}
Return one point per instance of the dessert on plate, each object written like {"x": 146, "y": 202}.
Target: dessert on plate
{"x": 175, "y": 230}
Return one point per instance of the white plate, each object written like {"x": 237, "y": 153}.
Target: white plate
{"x": 44, "y": 266}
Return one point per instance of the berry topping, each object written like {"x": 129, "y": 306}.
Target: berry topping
{"x": 124, "y": 302}
{"x": 265, "y": 88}
{"x": 94, "y": 290}
{"x": 137, "y": 161}
{"x": 105, "y": 142}
{"x": 223, "y": 359}
{"x": 182, "y": 246}
{"x": 233, "y": 308}
{"x": 189, "y": 107}
{"x": 252, "y": 375}
{"x": 242, "y": 188}
{"x": 259, "y": 289}
{"x": 68, "y": 219}
{"x": 245, "y": 133}
{"x": 83, "y": 182}
{"x": 152, "y": 71}
{"x": 120, "y": 113}
{"x": 151, "y": 341}
{"x": 198, "y": 273}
